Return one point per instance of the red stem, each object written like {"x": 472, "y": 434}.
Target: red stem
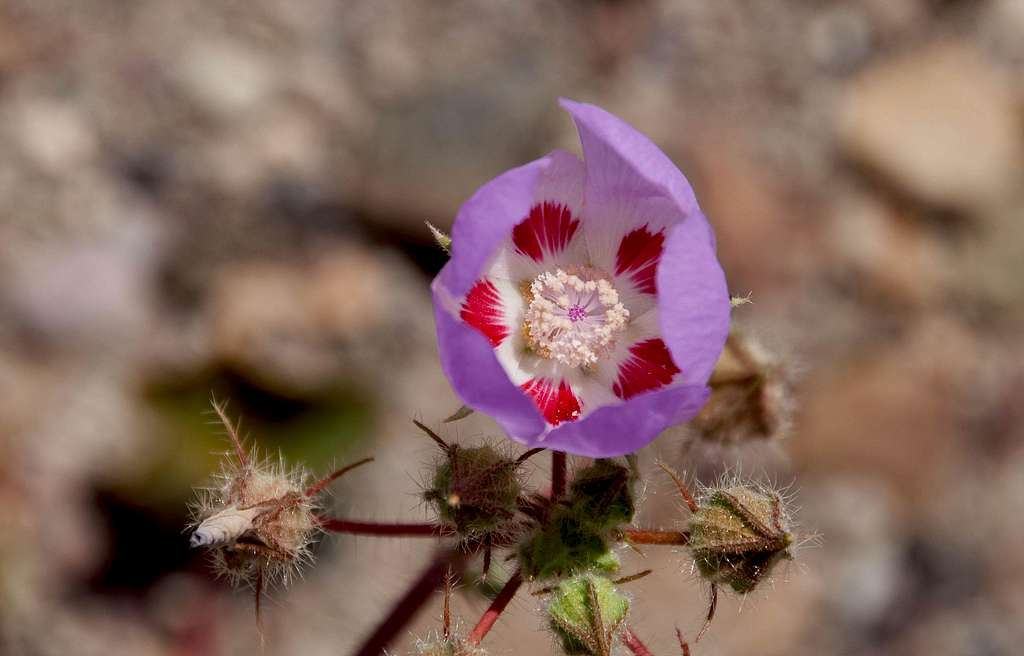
{"x": 641, "y": 536}
{"x": 633, "y": 643}
{"x": 558, "y": 474}
{"x": 490, "y": 616}
{"x": 432, "y": 578}
{"x": 379, "y": 529}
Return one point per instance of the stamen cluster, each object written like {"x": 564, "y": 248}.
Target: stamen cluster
{"x": 574, "y": 316}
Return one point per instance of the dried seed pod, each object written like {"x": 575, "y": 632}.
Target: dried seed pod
{"x": 260, "y": 520}
{"x": 750, "y": 396}
{"x": 738, "y": 534}
{"x": 586, "y": 612}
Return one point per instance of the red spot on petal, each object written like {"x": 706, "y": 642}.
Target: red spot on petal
{"x": 649, "y": 366}
{"x": 639, "y": 254}
{"x": 556, "y": 404}
{"x": 548, "y": 229}
{"x": 483, "y": 310}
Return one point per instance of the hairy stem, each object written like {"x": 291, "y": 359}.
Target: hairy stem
{"x": 558, "y": 474}
{"x": 406, "y": 530}
{"x": 644, "y": 536}
{"x": 432, "y": 578}
{"x": 492, "y": 613}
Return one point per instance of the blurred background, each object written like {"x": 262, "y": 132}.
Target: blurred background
{"x": 228, "y": 196}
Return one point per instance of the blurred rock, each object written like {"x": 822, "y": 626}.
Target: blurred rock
{"x": 891, "y": 256}
{"x": 940, "y": 123}
{"x": 893, "y": 411}
{"x": 225, "y": 76}
{"x": 343, "y": 316}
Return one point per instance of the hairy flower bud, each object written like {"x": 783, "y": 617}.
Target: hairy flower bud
{"x": 565, "y": 544}
{"x": 738, "y": 534}
{"x": 602, "y": 495}
{"x": 586, "y": 612}
{"x": 475, "y": 489}
{"x": 576, "y": 535}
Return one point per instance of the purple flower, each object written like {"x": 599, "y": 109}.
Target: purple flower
{"x": 583, "y": 306}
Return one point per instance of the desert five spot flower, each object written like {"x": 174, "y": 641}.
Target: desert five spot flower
{"x": 583, "y": 306}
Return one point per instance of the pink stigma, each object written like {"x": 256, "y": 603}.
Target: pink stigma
{"x": 576, "y": 313}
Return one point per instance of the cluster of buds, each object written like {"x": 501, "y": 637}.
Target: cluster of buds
{"x": 581, "y": 248}
{"x": 575, "y": 535}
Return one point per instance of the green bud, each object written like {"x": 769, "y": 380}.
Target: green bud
{"x": 475, "y": 489}
{"x": 738, "y": 535}
{"x": 563, "y": 546}
{"x": 602, "y": 495}
{"x": 586, "y": 612}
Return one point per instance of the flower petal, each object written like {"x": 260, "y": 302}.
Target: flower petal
{"x": 470, "y": 364}
{"x": 483, "y": 310}
{"x": 556, "y": 402}
{"x": 693, "y": 300}
{"x": 648, "y": 367}
{"x": 548, "y": 235}
{"x": 638, "y": 255}
{"x": 619, "y": 429}
{"x": 630, "y": 183}
{"x": 547, "y": 230}
{"x": 485, "y": 221}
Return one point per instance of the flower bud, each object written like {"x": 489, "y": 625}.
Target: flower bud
{"x": 475, "y": 489}
{"x": 586, "y": 612}
{"x": 564, "y": 545}
{"x": 601, "y": 495}
{"x": 738, "y": 534}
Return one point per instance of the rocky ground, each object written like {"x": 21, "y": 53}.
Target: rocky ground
{"x": 229, "y": 196}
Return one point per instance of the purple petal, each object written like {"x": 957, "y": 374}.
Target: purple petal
{"x": 487, "y": 219}
{"x": 475, "y": 374}
{"x": 619, "y": 429}
{"x": 620, "y": 158}
{"x": 693, "y": 300}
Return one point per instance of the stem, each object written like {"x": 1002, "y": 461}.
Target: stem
{"x": 642, "y": 536}
{"x": 390, "y": 530}
{"x": 490, "y": 616}
{"x": 633, "y": 643}
{"x": 432, "y": 578}
{"x": 558, "y": 474}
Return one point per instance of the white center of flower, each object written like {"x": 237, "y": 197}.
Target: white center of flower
{"x": 574, "y": 316}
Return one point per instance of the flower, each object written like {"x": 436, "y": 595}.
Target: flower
{"x": 583, "y": 306}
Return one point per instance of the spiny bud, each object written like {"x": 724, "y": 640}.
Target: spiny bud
{"x": 601, "y": 495}
{"x": 750, "y": 395}
{"x": 738, "y": 534}
{"x": 475, "y": 489}
{"x": 586, "y": 612}
{"x": 563, "y": 545}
